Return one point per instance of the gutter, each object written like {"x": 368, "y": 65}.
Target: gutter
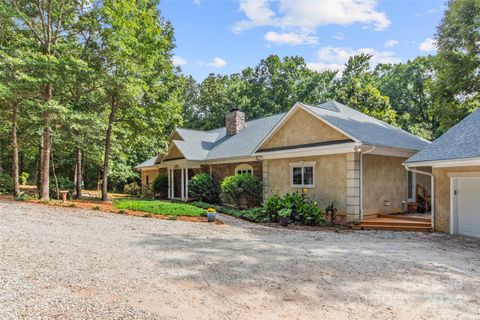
{"x": 432, "y": 182}
{"x": 361, "y": 178}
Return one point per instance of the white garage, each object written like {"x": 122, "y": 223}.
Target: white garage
{"x": 465, "y": 217}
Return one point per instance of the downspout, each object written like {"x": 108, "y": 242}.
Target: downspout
{"x": 432, "y": 182}
{"x": 361, "y": 178}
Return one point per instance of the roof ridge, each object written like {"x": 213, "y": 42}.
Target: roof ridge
{"x": 252, "y": 120}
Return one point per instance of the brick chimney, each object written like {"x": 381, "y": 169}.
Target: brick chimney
{"x": 234, "y": 122}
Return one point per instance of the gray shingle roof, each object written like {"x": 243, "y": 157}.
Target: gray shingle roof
{"x": 150, "y": 162}
{"x": 460, "y": 142}
{"x": 215, "y": 144}
{"x": 367, "y": 129}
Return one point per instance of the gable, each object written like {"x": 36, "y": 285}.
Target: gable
{"x": 174, "y": 153}
{"x": 302, "y": 128}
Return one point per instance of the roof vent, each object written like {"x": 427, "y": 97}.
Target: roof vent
{"x": 330, "y": 106}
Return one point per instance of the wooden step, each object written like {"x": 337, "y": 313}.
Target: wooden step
{"x": 395, "y": 222}
{"x": 403, "y": 217}
{"x": 364, "y": 226}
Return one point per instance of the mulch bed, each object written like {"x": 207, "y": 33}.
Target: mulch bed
{"x": 108, "y": 207}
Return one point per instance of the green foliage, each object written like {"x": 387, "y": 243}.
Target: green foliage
{"x": 202, "y": 186}
{"x": 242, "y": 189}
{"x": 64, "y": 184}
{"x": 300, "y": 207}
{"x": 357, "y": 90}
{"x": 6, "y": 183}
{"x": 160, "y": 185}
{"x": 132, "y": 189}
{"x": 457, "y": 63}
{"x": 284, "y": 213}
{"x": 201, "y": 204}
{"x": 159, "y": 207}
{"x": 409, "y": 88}
{"x": 23, "y": 196}
{"x": 24, "y": 178}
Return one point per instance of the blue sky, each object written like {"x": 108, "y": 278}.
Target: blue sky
{"x": 227, "y": 36}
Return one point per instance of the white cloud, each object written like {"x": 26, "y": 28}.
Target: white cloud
{"x": 258, "y": 13}
{"x": 307, "y": 15}
{"x": 334, "y": 58}
{"x": 290, "y": 38}
{"x": 339, "y": 36}
{"x": 428, "y": 45}
{"x": 178, "y": 61}
{"x": 391, "y": 43}
{"x": 217, "y": 62}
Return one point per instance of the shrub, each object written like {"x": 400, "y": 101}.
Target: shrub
{"x": 160, "y": 185}
{"x": 202, "y": 186}
{"x": 24, "y": 177}
{"x": 6, "y": 183}
{"x": 256, "y": 215}
{"x": 132, "y": 189}
{"x": 64, "y": 183}
{"x": 242, "y": 189}
{"x": 298, "y": 206}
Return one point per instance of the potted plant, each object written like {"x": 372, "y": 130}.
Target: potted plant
{"x": 211, "y": 213}
{"x": 284, "y": 216}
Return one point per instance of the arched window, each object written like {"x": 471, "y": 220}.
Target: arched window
{"x": 244, "y": 168}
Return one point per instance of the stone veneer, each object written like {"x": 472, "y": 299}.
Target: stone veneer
{"x": 234, "y": 122}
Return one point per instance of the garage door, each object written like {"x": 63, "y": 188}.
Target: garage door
{"x": 468, "y": 207}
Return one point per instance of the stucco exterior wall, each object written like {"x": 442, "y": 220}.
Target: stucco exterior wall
{"x": 330, "y": 179}
{"x": 442, "y": 195}
{"x": 152, "y": 175}
{"x": 384, "y": 180}
{"x": 302, "y": 128}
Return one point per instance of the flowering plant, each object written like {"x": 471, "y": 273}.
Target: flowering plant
{"x": 211, "y": 210}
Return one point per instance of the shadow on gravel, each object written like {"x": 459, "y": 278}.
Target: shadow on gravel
{"x": 382, "y": 271}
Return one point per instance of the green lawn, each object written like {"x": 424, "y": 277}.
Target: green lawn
{"x": 159, "y": 207}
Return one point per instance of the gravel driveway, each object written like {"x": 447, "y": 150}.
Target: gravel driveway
{"x": 78, "y": 264}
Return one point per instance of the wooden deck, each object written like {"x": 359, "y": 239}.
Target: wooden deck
{"x": 396, "y": 223}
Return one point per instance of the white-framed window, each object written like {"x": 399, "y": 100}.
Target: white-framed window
{"x": 302, "y": 174}
{"x": 244, "y": 168}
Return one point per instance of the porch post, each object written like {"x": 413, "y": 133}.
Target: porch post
{"x": 183, "y": 184}
{"x": 173, "y": 183}
{"x": 186, "y": 183}
{"x": 168, "y": 176}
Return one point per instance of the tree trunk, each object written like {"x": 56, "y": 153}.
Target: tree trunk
{"x": 45, "y": 164}
{"x": 15, "y": 173}
{"x": 39, "y": 168}
{"x": 108, "y": 138}
{"x": 78, "y": 172}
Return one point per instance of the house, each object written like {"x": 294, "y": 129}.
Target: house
{"x": 453, "y": 163}
{"x": 339, "y": 155}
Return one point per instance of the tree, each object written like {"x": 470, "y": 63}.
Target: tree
{"x": 357, "y": 90}
{"x": 46, "y": 26}
{"x": 409, "y": 88}
{"x": 458, "y": 62}
{"x": 137, "y": 45}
